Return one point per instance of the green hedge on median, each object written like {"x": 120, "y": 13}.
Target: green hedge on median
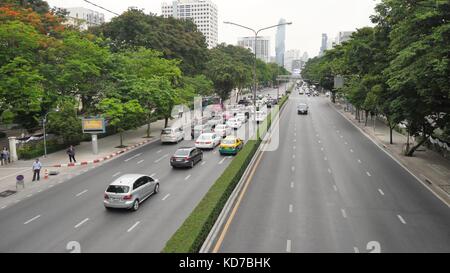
{"x": 190, "y": 236}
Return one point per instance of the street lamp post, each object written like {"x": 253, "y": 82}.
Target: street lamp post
{"x": 45, "y": 133}
{"x": 256, "y": 32}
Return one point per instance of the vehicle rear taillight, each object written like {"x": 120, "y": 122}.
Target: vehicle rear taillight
{"x": 128, "y": 197}
{"x": 106, "y": 196}
{"x": 187, "y": 158}
{"x": 197, "y": 142}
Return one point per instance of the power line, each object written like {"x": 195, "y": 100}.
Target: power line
{"x": 101, "y": 7}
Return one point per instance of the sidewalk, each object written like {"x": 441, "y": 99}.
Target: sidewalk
{"x": 430, "y": 167}
{"x": 106, "y": 147}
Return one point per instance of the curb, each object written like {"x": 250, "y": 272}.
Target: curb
{"x": 84, "y": 163}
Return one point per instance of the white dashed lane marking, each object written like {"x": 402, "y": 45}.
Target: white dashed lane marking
{"x": 344, "y": 213}
{"x": 116, "y": 174}
{"x": 32, "y": 219}
{"x": 165, "y": 197}
{"x": 288, "y": 246}
{"x": 81, "y": 193}
{"x": 401, "y": 219}
{"x": 380, "y": 191}
{"x": 133, "y": 226}
{"x": 368, "y": 174}
{"x": 81, "y": 223}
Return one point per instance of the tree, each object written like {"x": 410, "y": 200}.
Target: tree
{"x": 176, "y": 39}
{"x": 200, "y": 84}
{"x": 21, "y": 91}
{"x": 121, "y": 115}
{"x": 65, "y": 122}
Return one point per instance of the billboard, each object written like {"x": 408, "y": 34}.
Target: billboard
{"x": 93, "y": 125}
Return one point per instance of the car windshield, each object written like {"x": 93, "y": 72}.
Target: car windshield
{"x": 182, "y": 152}
{"x": 302, "y": 106}
{"x": 228, "y": 141}
{"x": 118, "y": 189}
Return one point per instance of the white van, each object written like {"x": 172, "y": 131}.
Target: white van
{"x": 172, "y": 135}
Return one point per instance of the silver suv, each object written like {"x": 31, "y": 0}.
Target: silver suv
{"x": 129, "y": 191}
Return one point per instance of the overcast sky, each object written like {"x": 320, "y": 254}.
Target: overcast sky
{"x": 310, "y": 18}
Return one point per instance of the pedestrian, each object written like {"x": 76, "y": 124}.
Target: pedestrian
{"x": 71, "y": 153}
{"x": 37, "y": 166}
{"x": 5, "y": 156}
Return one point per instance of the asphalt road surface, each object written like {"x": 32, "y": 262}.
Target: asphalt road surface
{"x": 328, "y": 188}
{"x": 73, "y": 211}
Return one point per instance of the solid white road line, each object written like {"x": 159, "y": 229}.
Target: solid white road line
{"x": 140, "y": 162}
{"x": 291, "y": 208}
{"x": 81, "y": 223}
{"x": 401, "y": 219}
{"x": 356, "y": 249}
{"x": 81, "y": 193}
{"x": 380, "y": 191}
{"x": 32, "y": 219}
{"x": 133, "y": 157}
{"x": 288, "y": 246}
{"x": 116, "y": 174}
{"x": 161, "y": 158}
{"x": 134, "y": 226}
{"x": 221, "y": 161}
{"x": 368, "y": 174}
{"x": 187, "y": 177}
{"x": 344, "y": 213}
{"x": 165, "y": 197}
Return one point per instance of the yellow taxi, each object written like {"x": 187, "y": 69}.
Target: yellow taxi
{"x": 231, "y": 145}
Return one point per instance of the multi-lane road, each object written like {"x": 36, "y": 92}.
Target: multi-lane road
{"x": 73, "y": 211}
{"x": 328, "y": 188}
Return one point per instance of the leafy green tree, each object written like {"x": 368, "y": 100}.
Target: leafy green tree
{"x": 200, "y": 85}
{"x": 65, "y": 122}
{"x": 122, "y": 115}
{"x": 176, "y": 39}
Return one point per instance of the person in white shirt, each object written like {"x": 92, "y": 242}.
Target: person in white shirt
{"x": 37, "y": 166}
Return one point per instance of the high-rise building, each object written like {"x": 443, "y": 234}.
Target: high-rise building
{"x": 324, "y": 44}
{"x": 262, "y": 46}
{"x": 280, "y": 43}
{"x": 84, "y": 18}
{"x": 289, "y": 57}
{"x": 305, "y": 57}
{"x": 343, "y": 36}
{"x": 204, "y": 13}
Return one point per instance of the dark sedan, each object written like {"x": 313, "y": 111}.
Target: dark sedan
{"x": 302, "y": 109}
{"x": 186, "y": 157}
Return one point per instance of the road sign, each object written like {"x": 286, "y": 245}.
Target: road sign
{"x": 94, "y": 126}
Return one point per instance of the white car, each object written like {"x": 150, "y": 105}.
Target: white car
{"x": 260, "y": 116}
{"x": 208, "y": 141}
{"x": 222, "y": 130}
{"x": 172, "y": 135}
{"x": 215, "y": 121}
{"x": 241, "y": 117}
{"x": 234, "y": 123}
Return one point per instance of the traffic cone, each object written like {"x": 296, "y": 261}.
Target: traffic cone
{"x": 46, "y": 174}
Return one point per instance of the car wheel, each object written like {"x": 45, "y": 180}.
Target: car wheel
{"x": 135, "y": 205}
{"x": 156, "y": 189}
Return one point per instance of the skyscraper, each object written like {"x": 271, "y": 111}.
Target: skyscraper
{"x": 203, "y": 12}
{"x": 324, "y": 45}
{"x": 262, "y": 46}
{"x": 280, "y": 43}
